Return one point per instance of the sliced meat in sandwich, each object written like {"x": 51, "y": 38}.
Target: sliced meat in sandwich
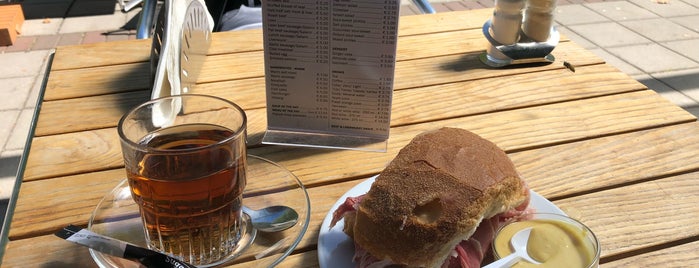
{"x": 437, "y": 204}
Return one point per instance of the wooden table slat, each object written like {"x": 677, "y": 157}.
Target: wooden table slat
{"x": 55, "y": 252}
{"x": 606, "y": 162}
{"x": 95, "y": 150}
{"x": 409, "y": 73}
{"x": 595, "y": 167}
{"x": 593, "y": 209}
{"x": 621, "y": 215}
{"x": 682, "y": 255}
{"x": 101, "y": 80}
{"x": 243, "y": 54}
{"x": 97, "y": 80}
{"x": 101, "y": 54}
{"x": 413, "y": 106}
{"x": 87, "y": 113}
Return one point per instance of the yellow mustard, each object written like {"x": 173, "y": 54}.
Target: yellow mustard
{"x": 554, "y": 243}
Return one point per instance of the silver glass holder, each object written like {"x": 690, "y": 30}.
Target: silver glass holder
{"x": 522, "y": 52}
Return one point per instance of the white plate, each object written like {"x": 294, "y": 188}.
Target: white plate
{"x": 335, "y": 248}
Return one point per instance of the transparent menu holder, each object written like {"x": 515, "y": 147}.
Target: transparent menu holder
{"x": 329, "y": 71}
{"x": 325, "y": 140}
{"x": 522, "y": 52}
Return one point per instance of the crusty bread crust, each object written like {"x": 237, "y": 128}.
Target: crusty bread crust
{"x": 433, "y": 195}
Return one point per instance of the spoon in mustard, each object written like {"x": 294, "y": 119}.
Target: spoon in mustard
{"x": 272, "y": 219}
{"x": 519, "y": 246}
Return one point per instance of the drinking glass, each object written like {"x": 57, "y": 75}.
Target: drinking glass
{"x": 185, "y": 161}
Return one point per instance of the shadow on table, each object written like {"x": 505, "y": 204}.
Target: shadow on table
{"x": 471, "y": 61}
{"x": 138, "y": 80}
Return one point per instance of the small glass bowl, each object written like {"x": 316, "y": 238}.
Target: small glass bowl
{"x": 590, "y": 240}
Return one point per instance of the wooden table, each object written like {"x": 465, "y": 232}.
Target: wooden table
{"x": 597, "y": 143}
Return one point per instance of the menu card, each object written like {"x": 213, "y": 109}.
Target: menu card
{"x": 329, "y": 67}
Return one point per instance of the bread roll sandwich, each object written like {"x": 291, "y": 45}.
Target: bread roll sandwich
{"x": 437, "y": 204}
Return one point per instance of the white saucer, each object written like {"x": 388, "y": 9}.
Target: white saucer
{"x": 267, "y": 184}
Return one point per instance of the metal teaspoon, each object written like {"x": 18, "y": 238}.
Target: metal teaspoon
{"x": 272, "y": 219}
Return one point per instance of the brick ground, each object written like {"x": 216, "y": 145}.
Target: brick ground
{"x": 45, "y": 42}
{"x": 94, "y": 37}
{"x": 23, "y": 43}
{"x": 70, "y": 39}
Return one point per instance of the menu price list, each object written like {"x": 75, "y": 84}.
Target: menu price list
{"x": 330, "y": 65}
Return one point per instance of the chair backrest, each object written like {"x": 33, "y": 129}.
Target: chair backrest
{"x": 146, "y": 20}
{"x": 424, "y": 6}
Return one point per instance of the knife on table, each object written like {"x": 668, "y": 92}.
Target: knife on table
{"x": 118, "y": 248}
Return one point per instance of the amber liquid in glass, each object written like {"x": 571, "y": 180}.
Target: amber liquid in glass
{"x": 190, "y": 191}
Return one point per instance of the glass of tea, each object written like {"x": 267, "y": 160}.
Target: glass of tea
{"x": 185, "y": 161}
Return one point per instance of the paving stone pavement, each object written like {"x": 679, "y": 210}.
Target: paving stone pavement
{"x": 653, "y": 41}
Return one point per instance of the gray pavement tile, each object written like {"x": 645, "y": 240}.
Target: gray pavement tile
{"x": 691, "y": 22}
{"x": 7, "y": 184}
{"x": 9, "y": 161}
{"x": 472, "y": 4}
{"x": 660, "y": 29}
{"x": 455, "y": 6}
{"x": 688, "y": 48}
{"x": 406, "y": 10}
{"x": 45, "y": 42}
{"x": 18, "y": 137}
{"x": 609, "y": 34}
{"x": 620, "y": 64}
{"x": 621, "y": 10}
{"x": 487, "y": 3}
{"x": 45, "y": 26}
{"x": 685, "y": 81}
{"x": 672, "y": 8}
{"x": 33, "y": 96}
{"x": 577, "y": 14}
{"x": 582, "y": 41}
{"x": 653, "y": 58}
{"x": 666, "y": 91}
{"x": 94, "y": 37}
{"x": 694, "y": 110}
{"x": 93, "y": 23}
{"x": 693, "y": 3}
{"x": 8, "y": 119}
{"x": 23, "y": 63}
{"x": 21, "y": 44}
{"x": 14, "y": 92}
{"x": 70, "y": 39}
{"x": 440, "y": 7}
